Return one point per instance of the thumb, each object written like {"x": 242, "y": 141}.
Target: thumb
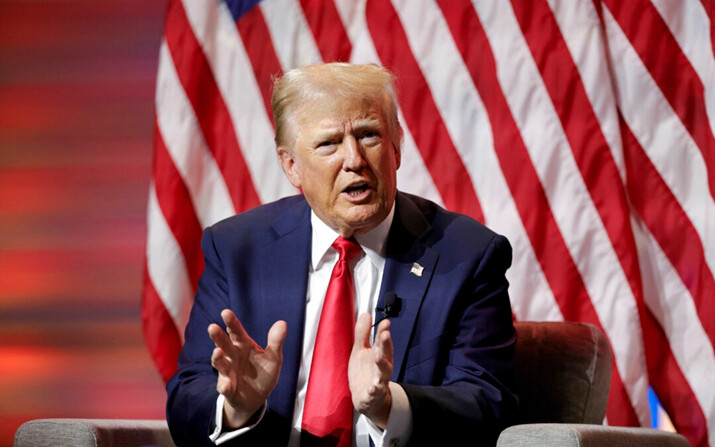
{"x": 362, "y": 331}
{"x": 276, "y": 336}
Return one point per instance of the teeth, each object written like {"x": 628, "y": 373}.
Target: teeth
{"x": 356, "y": 190}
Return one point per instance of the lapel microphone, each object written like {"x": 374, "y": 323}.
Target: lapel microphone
{"x": 391, "y": 305}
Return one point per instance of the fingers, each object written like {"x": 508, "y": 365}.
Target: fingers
{"x": 219, "y": 337}
{"x": 220, "y": 362}
{"x": 377, "y": 359}
{"x": 383, "y": 354}
{"x": 219, "y": 359}
{"x": 234, "y": 327}
{"x": 235, "y": 334}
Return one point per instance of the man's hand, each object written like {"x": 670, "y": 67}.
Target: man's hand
{"x": 247, "y": 373}
{"x": 370, "y": 369}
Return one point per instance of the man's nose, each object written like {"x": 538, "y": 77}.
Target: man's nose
{"x": 353, "y": 158}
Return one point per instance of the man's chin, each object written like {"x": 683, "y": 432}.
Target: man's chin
{"x": 363, "y": 218}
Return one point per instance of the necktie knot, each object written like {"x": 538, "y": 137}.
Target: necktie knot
{"x": 347, "y": 248}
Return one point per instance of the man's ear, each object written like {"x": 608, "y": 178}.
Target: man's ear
{"x": 398, "y": 154}
{"x": 397, "y": 146}
{"x": 285, "y": 156}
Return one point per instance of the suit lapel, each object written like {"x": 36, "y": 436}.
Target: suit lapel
{"x": 284, "y": 279}
{"x": 409, "y": 266}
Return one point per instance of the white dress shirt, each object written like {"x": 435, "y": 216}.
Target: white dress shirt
{"x": 367, "y": 268}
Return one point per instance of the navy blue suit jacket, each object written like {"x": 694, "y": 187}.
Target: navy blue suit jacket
{"x": 453, "y": 336}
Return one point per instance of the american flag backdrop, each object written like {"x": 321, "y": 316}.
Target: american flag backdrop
{"x": 580, "y": 129}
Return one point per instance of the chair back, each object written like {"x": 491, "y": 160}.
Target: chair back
{"x": 563, "y": 372}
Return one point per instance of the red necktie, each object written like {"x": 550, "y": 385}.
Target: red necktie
{"x": 328, "y": 410}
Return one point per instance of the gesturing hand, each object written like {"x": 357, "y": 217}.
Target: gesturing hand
{"x": 247, "y": 373}
{"x": 370, "y": 369}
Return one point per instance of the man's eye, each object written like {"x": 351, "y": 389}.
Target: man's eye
{"x": 370, "y": 134}
{"x": 325, "y": 143}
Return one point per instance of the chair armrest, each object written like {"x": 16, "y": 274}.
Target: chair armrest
{"x": 587, "y": 435}
{"x": 93, "y": 433}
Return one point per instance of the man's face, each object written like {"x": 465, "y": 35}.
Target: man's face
{"x": 344, "y": 159}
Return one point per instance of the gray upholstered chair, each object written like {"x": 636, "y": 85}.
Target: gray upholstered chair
{"x": 93, "y": 433}
{"x": 564, "y": 372}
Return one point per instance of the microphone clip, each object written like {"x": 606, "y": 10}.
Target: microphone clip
{"x": 391, "y": 305}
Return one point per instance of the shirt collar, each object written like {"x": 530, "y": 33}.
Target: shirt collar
{"x": 373, "y": 243}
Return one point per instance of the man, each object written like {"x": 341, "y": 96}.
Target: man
{"x": 439, "y": 365}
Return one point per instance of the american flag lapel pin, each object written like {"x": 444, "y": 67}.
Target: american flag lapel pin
{"x": 417, "y": 269}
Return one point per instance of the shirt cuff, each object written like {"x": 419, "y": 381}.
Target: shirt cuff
{"x": 218, "y": 436}
{"x": 399, "y": 421}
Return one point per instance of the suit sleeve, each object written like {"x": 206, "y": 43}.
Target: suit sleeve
{"x": 474, "y": 397}
{"x": 192, "y": 394}
{"x": 192, "y": 390}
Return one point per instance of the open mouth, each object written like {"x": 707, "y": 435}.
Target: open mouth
{"x": 356, "y": 190}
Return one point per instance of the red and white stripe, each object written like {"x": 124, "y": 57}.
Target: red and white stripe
{"x": 582, "y": 130}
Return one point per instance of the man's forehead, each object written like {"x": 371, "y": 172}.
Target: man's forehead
{"x": 368, "y": 120}
{"x": 336, "y": 111}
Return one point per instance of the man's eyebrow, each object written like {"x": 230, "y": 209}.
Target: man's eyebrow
{"x": 366, "y": 123}
{"x": 328, "y": 132}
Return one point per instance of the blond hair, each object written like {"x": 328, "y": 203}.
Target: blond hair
{"x": 308, "y": 83}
